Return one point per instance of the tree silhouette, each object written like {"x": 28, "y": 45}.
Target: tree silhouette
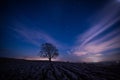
{"x": 48, "y": 51}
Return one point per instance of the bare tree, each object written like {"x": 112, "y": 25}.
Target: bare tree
{"x": 48, "y": 51}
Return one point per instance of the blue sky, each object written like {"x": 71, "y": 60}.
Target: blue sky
{"x": 82, "y": 30}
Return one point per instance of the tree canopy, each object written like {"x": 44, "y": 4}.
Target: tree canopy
{"x": 49, "y": 51}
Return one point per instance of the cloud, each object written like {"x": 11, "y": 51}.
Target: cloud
{"x": 92, "y": 47}
{"x": 35, "y": 37}
{"x": 106, "y": 17}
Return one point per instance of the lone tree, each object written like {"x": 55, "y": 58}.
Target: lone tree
{"x": 48, "y": 51}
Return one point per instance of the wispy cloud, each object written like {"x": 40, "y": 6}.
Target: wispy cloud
{"x": 35, "y": 37}
{"x": 91, "y": 47}
{"x": 106, "y": 18}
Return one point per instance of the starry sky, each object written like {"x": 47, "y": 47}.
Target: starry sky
{"x": 82, "y": 30}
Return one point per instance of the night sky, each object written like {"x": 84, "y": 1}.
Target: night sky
{"x": 82, "y": 30}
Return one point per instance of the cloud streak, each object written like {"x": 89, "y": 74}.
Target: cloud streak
{"x": 92, "y": 47}
{"x": 107, "y": 19}
{"x": 35, "y": 37}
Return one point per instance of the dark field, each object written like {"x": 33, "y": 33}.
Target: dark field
{"x": 14, "y": 69}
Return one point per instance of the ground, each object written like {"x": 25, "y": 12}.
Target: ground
{"x": 14, "y": 69}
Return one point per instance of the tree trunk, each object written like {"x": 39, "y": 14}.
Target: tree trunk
{"x": 49, "y": 59}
